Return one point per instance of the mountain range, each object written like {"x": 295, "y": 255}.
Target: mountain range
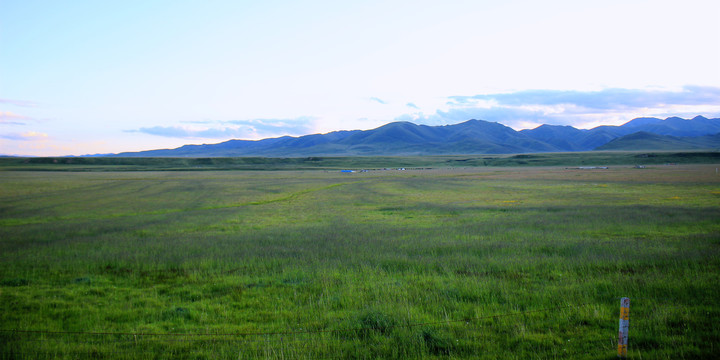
{"x": 469, "y": 137}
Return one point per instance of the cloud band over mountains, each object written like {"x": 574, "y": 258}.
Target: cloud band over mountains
{"x": 607, "y": 99}
{"x": 578, "y": 108}
{"x": 520, "y": 109}
{"x": 256, "y": 128}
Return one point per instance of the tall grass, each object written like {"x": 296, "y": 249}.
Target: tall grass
{"x": 473, "y": 263}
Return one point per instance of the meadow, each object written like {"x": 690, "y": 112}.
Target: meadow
{"x": 445, "y": 262}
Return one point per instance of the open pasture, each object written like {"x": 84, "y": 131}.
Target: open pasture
{"x": 512, "y": 263}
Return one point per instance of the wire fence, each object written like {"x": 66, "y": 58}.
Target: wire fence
{"x": 38, "y": 343}
{"x": 320, "y": 343}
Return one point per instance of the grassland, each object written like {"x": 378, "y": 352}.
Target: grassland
{"x": 588, "y": 158}
{"x": 472, "y": 262}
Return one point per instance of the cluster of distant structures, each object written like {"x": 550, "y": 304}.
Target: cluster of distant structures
{"x": 606, "y": 167}
{"x": 589, "y": 168}
{"x": 383, "y": 169}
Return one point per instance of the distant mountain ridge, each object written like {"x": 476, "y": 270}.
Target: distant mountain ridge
{"x": 469, "y": 137}
{"x": 642, "y": 140}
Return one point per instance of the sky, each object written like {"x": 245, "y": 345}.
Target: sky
{"x": 95, "y": 77}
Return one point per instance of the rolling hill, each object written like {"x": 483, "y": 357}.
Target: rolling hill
{"x": 642, "y": 140}
{"x": 469, "y": 137}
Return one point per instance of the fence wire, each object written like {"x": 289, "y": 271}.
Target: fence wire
{"x": 136, "y": 342}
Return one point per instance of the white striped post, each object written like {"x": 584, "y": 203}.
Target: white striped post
{"x": 624, "y": 324}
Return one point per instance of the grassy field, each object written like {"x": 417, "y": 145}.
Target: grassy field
{"x": 587, "y": 158}
{"x": 472, "y": 262}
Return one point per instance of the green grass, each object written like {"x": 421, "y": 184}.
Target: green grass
{"x": 588, "y": 158}
{"x": 511, "y": 263}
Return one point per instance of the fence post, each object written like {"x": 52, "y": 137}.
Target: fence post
{"x": 624, "y": 324}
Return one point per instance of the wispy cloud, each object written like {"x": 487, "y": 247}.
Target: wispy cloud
{"x": 607, "y": 99}
{"x": 26, "y": 136}
{"x": 378, "y": 100}
{"x": 233, "y": 129}
{"x": 190, "y": 133}
{"x": 530, "y": 108}
{"x": 9, "y": 118}
{"x": 199, "y": 122}
{"x": 411, "y": 105}
{"x": 21, "y": 103}
{"x": 299, "y": 125}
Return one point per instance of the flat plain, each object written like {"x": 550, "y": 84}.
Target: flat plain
{"x": 473, "y": 262}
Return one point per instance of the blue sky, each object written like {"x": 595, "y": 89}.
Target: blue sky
{"x": 85, "y": 77}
